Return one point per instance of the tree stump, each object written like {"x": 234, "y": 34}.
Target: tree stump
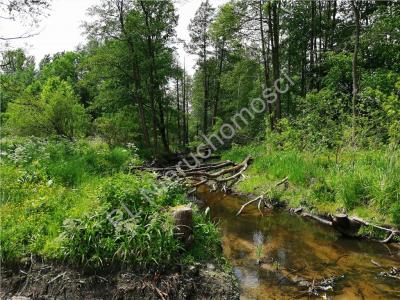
{"x": 345, "y": 226}
{"x": 183, "y": 217}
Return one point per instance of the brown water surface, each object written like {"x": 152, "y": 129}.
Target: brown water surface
{"x": 292, "y": 245}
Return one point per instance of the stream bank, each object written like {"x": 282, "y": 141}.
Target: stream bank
{"x": 278, "y": 254}
{"x": 55, "y": 281}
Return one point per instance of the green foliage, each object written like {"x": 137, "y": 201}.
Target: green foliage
{"x": 365, "y": 180}
{"x": 116, "y": 128}
{"x": 71, "y": 200}
{"x": 207, "y": 238}
{"x": 64, "y": 162}
{"x": 55, "y": 111}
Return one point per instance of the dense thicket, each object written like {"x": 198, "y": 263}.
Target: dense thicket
{"x": 343, "y": 57}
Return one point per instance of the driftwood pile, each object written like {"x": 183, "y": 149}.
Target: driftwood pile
{"x": 221, "y": 175}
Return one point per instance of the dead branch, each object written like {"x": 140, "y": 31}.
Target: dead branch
{"x": 392, "y": 232}
{"x": 391, "y": 272}
{"x": 240, "y": 167}
{"x": 261, "y": 199}
{"x": 248, "y": 203}
{"x": 319, "y": 219}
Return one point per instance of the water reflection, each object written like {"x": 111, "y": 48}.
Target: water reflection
{"x": 248, "y": 278}
{"x": 264, "y": 249}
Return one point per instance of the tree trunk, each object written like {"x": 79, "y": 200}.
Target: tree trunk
{"x": 218, "y": 88}
{"x": 185, "y": 108}
{"x": 136, "y": 76}
{"x": 303, "y": 72}
{"x": 265, "y": 63}
{"x": 178, "y": 109}
{"x": 205, "y": 104}
{"x": 356, "y": 13}
{"x": 312, "y": 44}
{"x": 139, "y": 101}
{"x": 333, "y": 24}
{"x": 162, "y": 127}
{"x": 275, "y": 59}
{"x": 154, "y": 98}
{"x": 326, "y": 27}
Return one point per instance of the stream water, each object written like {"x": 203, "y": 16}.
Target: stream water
{"x": 293, "y": 246}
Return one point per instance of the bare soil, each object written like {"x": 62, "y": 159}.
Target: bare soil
{"x": 51, "y": 281}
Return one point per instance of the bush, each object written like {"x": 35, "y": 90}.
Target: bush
{"x": 70, "y": 200}
{"x": 56, "y": 111}
{"x": 63, "y": 161}
{"x": 134, "y": 226}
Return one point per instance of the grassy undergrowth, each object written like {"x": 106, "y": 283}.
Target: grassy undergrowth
{"x": 75, "y": 201}
{"x": 327, "y": 182}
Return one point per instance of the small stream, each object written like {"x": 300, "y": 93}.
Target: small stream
{"x": 299, "y": 247}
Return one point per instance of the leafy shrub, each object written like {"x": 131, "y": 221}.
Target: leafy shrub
{"x": 56, "y": 111}
{"x": 134, "y": 226}
{"x": 116, "y": 158}
{"x": 94, "y": 240}
{"x": 207, "y": 239}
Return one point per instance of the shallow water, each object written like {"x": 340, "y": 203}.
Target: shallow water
{"x": 293, "y": 246}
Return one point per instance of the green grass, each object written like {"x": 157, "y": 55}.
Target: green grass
{"x": 327, "y": 182}
{"x": 66, "y": 201}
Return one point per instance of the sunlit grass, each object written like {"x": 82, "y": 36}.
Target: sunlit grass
{"x": 58, "y": 198}
{"x": 328, "y": 181}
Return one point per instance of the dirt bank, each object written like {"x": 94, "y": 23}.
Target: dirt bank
{"x": 50, "y": 281}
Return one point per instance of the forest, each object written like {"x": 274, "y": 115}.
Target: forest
{"x": 300, "y": 96}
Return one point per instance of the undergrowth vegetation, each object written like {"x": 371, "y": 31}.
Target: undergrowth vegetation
{"x": 78, "y": 202}
{"x": 365, "y": 183}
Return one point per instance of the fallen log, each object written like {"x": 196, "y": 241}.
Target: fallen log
{"x": 392, "y": 232}
{"x": 348, "y": 226}
{"x": 317, "y": 218}
{"x": 177, "y": 168}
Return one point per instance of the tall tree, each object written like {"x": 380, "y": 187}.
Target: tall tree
{"x": 200, "y": 41}
{"x": 160, "y": 20}
{"x": 356, "y": 13}
{"x": 275, "y": 36}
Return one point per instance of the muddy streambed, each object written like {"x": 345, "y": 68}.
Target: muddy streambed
{"x": 267, "y": 250}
